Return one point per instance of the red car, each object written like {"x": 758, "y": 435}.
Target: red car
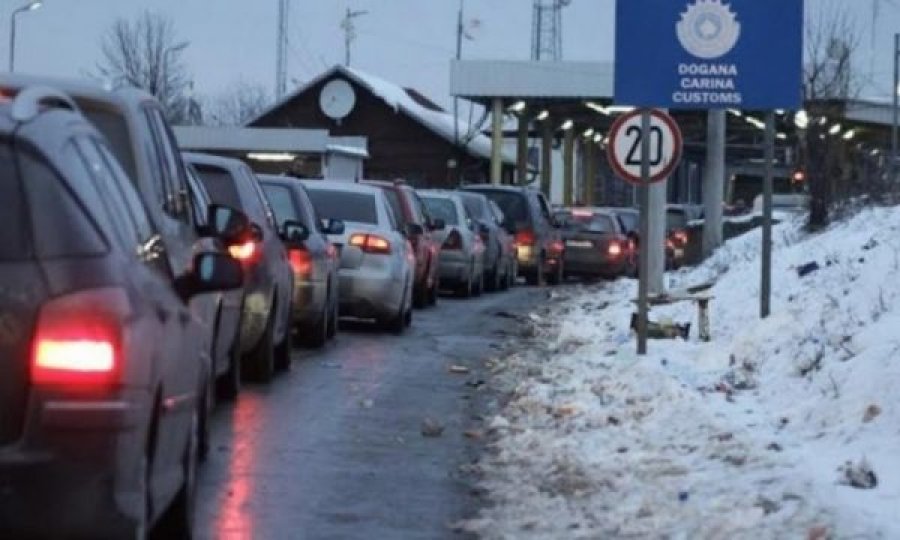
{"x": 409, "y": 209}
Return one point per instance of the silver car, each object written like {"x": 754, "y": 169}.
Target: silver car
{"x": 461, "y": 262}
{"x": 500, "y": 267}
{"x": 376, "y": 259}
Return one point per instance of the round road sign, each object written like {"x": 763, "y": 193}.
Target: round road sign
{"x": 624, "y": 148}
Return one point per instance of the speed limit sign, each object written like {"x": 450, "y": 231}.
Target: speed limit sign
{"x": 624, "y": 149}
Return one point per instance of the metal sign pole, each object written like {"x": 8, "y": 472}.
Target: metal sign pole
{"x": 766, "y": 286}
{"x": 644, "y": 270}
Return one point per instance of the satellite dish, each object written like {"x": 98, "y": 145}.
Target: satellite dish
{"x": 337, "y": 99}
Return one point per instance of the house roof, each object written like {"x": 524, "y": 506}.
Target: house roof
{"x": 409, "y": 102}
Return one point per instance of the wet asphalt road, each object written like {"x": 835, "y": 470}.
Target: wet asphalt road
{"x": 333, "y": 449}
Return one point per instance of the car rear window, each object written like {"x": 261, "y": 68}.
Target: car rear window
{"x": 594, "y": 223}
{"x": 14, "y": 241}
{"x": 344, "y": 205}
{"x": 220, "y": 185}
{"x": 393, "y": 199}
{"x": 474, "y": 206}
{"x": 514, "y": 205}
{"x": 630, "y": 220}
{"x": 441, "y": 208}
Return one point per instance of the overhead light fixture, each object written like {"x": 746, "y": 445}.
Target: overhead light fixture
{"x": 736, "y": 112}
{"x": 597, "y": 108}
{"x": 801, "y": 119}
{"x": 567, "y": 125}
{"x": 755, "y": 122}
{"x": 543, "y": 115}
{"x": 781, "y": 136}
{"x": 517, "y": 107}
{"x": 588, "y": 132}
{"x": 875, "y": 152}
{"x": 823, "y": 121}
{"x": 617, "y": 109}
{"x": 835, "y": 129}
{"x": 850, "y": 134}
{"x": 598, "y": 137}
{"x": 779, "y": 112}
{"x": 271, "y": 156}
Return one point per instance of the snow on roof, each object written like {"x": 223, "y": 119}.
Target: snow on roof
{"x": 395, "y": 96}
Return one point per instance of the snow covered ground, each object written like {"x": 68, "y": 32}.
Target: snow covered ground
{"x": 742, "y": 437}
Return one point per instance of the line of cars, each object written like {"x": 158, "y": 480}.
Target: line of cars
{"x": 140, "y": 284}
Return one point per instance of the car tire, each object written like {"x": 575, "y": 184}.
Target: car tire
{"x": 558, "y": 275}
{"x": 178, "y": 519}
{"x": 397, "y": 323}
{"x": 333, "y": 320}
{"x": 228, "y": 386}
{"x": 284, "y": 349}
{"x": 433, "y": 292}
{"x": 261, "y": 365}
{"x": 465, "y": 289}
{"x": 317, "y": 334}
{"x": 420, "y": 297}
{"x": 536, "y": 278}
{"x": 479, "y": 285}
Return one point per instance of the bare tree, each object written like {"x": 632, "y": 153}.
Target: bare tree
{"x": 832, "y": 37}
{"x": 146, "y": 53}
{"x": 237, "y": 105}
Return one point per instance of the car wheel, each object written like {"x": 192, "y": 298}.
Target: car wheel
{"x": 261, "y": 365}
{"x": 228, "y": 386}
{"x": 283, "y": 350}
{"x": 178, "y": 520}
{"x": 397, "y": 323}
{"x": 420, "y": 297}
{"x": 479, "y": 284}
{"x": 557, "y": 277}
{"x": 465, "y": 289}
{"x": 317, "y": 334}
{"x": 433, "y": 293}
{"x": 333, "y": 320}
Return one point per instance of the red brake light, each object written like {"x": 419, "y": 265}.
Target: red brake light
{"x": 680, "y": 237}
{"x": 300, "y": 261}
{"x": 371, "y": 243}
{"x": 614, "y": 249}
{"x": 557, "y": 247}
{"x": 578, "y": 212}
{"x": 243, "y": 252}
{"x": 453, "y": 241}
{"x": 78, "y": 339}
{"x": 670, "y": 244}
{"x": 525, "y": 238}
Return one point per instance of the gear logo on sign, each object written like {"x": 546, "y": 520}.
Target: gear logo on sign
{"x": 708, "y": 29}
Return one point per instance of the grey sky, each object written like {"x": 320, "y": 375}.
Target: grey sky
{"x": 406, "y": 41}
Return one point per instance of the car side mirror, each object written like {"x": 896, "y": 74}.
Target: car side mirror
{"x": 483, "y": 229}
{"x": 225, "y": 222}
{"x": 294, "y": 232}
{"x": 414, "y": 229}
{"x": 211, "y": 272}
{"x": 438, "y": 224}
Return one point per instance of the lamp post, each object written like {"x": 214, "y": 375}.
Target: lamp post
{"x": 30, "y": 6}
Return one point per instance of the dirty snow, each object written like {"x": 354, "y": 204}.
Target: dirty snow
{"x": 743, "y": 437}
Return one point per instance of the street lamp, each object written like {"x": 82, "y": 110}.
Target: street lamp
{"x": 30, "y": 6}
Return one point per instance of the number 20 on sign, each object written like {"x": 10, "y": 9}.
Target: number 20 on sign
{"x": 626, "y": 137}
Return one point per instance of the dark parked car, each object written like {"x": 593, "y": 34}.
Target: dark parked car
{"x": 630, "y": 219}
{"x": 266, "y": 316}
{"x": 596, "y": 243}
{"x": 409, "y": 208}
{"x": 314, "y": 261}
{"x": 539, "y": 244}
{"x": 220, "y": 312}
{"x": 103, "y": 376}
{"x": 499, "y": 251}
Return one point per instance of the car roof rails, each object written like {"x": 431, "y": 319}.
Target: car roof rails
{"x": 31, "y": 101}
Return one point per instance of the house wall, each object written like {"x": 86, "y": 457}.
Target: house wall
{"x": 399, "y": 146}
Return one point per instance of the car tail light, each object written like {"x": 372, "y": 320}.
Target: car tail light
{"x": 525, "y": 238}
{"x": 301, "y": 261}
{"x": 78, "y": 340}
{"x": 557, "y": 247}
{"x": 680, "y": 237}
{"x": 371, "y": 243}
{"x": 245, "y": 251}
{"x": 453, "y": 241}
{"x": 670, "y": 244}
{"x": 614, "y": 249}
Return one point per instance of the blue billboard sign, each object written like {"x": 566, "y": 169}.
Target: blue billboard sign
{"x": 709, "y": 54}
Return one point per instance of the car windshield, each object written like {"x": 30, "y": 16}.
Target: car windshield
{"x": 441, "y": 208}
{"x": 594, "y": 223}
{"x": 514, "y": 205}
{"x": 348, "y": 206}
{"x": 13, "y": 223}
{"x": 220, "y": 185}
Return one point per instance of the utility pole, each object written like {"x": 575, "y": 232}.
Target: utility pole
{"x": 349, "y": 28}
{"x": 546, "y": 30}
{"x": 713, "y": 181}
{"x": 456, "y": 149}
{"x": 281, "y": 48}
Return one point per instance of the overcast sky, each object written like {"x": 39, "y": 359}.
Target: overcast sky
{"x": 405, "y": 41}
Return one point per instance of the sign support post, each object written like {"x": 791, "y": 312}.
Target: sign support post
{"x": 766, "y": 285}
{"x": 644, "y": 257}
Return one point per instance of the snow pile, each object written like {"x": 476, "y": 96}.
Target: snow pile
{"x": 787, "y": 427}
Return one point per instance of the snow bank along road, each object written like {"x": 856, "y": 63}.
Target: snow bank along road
{"x": 748, "y": 436}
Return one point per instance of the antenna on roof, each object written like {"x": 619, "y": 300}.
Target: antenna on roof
{"x": 349, "y": 28}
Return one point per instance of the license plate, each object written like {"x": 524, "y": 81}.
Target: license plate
{"x": 579, "y": 244}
